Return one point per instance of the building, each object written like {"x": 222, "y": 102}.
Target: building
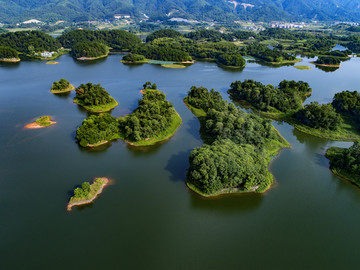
{"x": 122, "y": 16}
{"x": 47, "y": 54}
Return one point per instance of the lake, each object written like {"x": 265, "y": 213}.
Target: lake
{"x": 147, "y": 218}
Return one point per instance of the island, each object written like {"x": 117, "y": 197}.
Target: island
{"x": 94, "y": 98}
{"x": 285, "y": 104}
{"x": 155, "y": 120}
{"x": 87, "y": 193}
{"x": 87, "y": 50}
{"x": 43, "y": 121}
{"x": 327, "y": 61}
{"x": 62, "y": 86}
{"x": 302, "y": 67}
{"x": 345, "y": 163}
{"x": 237, "y": 151}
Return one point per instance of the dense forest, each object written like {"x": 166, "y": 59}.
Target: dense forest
{"x": 89, "y": 49}
{"x": 29, "y": 42}
{"x": 63, "y": 84}
{"x": 234, "y": 140}
{"x": 347, "y": 102}
{"x": 346, "y": 162}
{"x": 132, "y": 57}
{"x": 97, "y": 129}
{"x": 92, "y": 95}
{"x": 153, "y": 116}
{"x": 288, "y": 96}
{"x": 319, "y": 116}
{"x": 8, "y": 53}
{"x": 118, "y": 40}
{"x": 328, "y": 60}
{"x": 266, "y": 54}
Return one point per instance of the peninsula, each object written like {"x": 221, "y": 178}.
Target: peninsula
{"x": 43, "y": 121}
{"x": 87, "y": 193}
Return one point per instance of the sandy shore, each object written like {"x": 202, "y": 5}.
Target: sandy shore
{"x": 35, "y": 125}
{"x": 93, "y": 198}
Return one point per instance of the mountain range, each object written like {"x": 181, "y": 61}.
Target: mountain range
{"x": 219, "y": 10}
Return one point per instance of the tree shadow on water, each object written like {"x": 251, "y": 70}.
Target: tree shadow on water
{"x": 178, "y": 165}
{"x": 227, "y": 203}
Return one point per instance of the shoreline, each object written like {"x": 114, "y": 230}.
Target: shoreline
{"x": 85, "y": 58}
{"x": 10, "y": 60}
{"x": 35, "y": 125}
{"x": 106, "y": 182}
{"x": 325, "y": 65}
{"x": 69, "y": 89}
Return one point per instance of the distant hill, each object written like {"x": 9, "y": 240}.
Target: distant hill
{"x": 218, "y": 10}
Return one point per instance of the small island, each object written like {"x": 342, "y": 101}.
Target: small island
{"x": 84, "y": 51}
{"x": 43, "y": 121}
{"x": 62, "y": 86}
{"x": 237, "y": 151}
{"x": 94, "y": 98}
{"x": 87, "y": 193}
{"x": 155, "y": 120}
{"x": 327, "y": 61}
{"x": 52, "y": 63}
{"x": 302, "y": 67}
{"x": 345, "y": 163}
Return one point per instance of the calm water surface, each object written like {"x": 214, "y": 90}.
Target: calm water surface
{"x": 147, "y": 218}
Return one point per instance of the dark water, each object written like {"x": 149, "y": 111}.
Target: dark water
{"x": 147, "y": 219}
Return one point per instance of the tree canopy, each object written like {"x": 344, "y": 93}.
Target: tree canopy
{"x": 89, "y": 49}
{"x": 92, "y": 94}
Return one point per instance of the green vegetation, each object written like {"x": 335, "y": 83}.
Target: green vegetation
{"x": 134, "y": 58}
{"x": 118, "y": 40}
{"x": 97, "y": 130}
{"x": 154, "y": 120}
{"x": 8, "y": 54}
{"x": 302, "y": 67}
{"x": 173, "y": 66}
{"x": 319, "y": 116}
{"x": 231, "y": 60}
{"x": 170, "y": 33}
{"x": 30, "y": 43}
{"x": 345, "y": 162}
{"x": 287, "y": 97}
{"x": 94, "y": 98}
{"x": 61, "y": 86}
{"x": 328, "y": 61}
{"x": 89, "y": 50}
{"x": 44, "y": 121}
{"x": 348, "y": 103}
{"x": 87, "y": 193}
{"x": 237, "y": 147}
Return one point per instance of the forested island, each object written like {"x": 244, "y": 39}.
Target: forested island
{"x": 154, "y": 120}
{"x": 328, "y": 61}
{"x": 62, "y": 86}
{"x": 345, "y": 163}
{"x": 238, "y": 147}
{"x": 87, "y": 193}
{"x": 335, "y": 121}
{"x": 41, "y": 122}
{"x": 89, "y": 50}
{"x": 94, "y": 98}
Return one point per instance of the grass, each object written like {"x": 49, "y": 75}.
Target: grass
{"x": 98, "y": 108}
{"x": 10, "y": 60}
{"x": 166, "y": 134}
{"x": 286, "y": 62}
{"x": 333, "y": 152}
{"x": 303, "y": 67}
{"x": 69, "y": 89}
{"x": 173, "y": 66}
{"x": 44, "y": 121}
{"x": 94, "y": 189}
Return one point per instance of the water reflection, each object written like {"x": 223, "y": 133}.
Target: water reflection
{"x": 233, "y": 203}
{"x": 178, "y": 165}
{"x": 327, "y": 69}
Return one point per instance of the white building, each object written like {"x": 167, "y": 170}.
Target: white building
{"x": 122, "y": 16}
{"x": 47, "y": 54}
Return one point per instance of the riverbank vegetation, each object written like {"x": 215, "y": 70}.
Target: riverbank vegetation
{"x": 94, "y": 98}
{"x": 87, "y": 193}
{"x": 41, "y": 122}
{"x": 132, "y": 58}
{"x": 8, "y": 54}
{"x": 345, "y": 162}
{"x": 238, "y": 147}
{"x": 62, "y": 86}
